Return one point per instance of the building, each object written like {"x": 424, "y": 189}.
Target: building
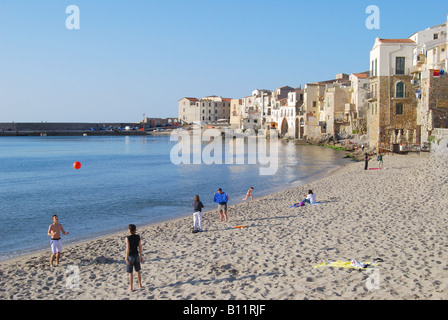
{"x": 408, "y": 96}
{"x": 361, "y": 88}
{"x": 236, "y": 112}
{"x": 392, "y": 116}
{"x": 430, "y": 81}
{"x": 256, "y": 109}
{"x": 189, "y": 110}
{"x": 211, "y": 109}
{"x": 336, "y": 110}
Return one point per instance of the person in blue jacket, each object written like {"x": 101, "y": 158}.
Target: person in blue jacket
{"x": 222, "y": 198}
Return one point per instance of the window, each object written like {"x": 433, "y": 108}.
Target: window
{"x": 436, "y": 36}
{"x": 399, "y": 90}
{"x": 374, "y": 68}
{"x": 399, "y": 65}
{"x": 399, "y": 108}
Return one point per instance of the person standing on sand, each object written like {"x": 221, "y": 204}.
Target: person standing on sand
{"x": 380, "y": 161}
{"x": 249, "y": 194}
{"x": 54, "y": 231}
{"x": 366, "y": 162}
{"x": 197, "y": 213}
{"x": 134, "y": 256}
{"x": 221, "y": 198}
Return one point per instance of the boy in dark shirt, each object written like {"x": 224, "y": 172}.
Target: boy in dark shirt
{"x": 133, "y": 259}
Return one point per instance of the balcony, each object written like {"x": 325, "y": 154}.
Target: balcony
{"x": 371, "y": 96}
{"x": 421, "y": 59}
{"x": 401, "y": 72}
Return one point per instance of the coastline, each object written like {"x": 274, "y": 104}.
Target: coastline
{"x": 181, "y": 214}
{"x": 363, "y": 215}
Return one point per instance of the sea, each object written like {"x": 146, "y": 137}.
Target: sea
{"x": 123, "y": 180}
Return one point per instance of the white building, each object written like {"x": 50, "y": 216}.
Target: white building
{"x": 211, "y": 109}
{"x": 431, "y": 84}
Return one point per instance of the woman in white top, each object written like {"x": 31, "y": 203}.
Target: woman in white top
{"x": 310, "y": 197}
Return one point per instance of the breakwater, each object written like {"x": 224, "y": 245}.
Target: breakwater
{"x": 71, "y": 128}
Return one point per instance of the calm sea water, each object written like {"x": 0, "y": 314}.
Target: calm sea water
{"x": 123, "y": 180}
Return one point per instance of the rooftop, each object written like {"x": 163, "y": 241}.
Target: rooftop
{"x": 396, "y": 41}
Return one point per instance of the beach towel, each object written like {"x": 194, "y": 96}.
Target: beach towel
{"x": 301, "y": 204}
{"x": 220, "y": 198}
{"x": 348, "y": 264}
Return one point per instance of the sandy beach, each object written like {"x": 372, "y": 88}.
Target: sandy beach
{"x": 399, "y": 214}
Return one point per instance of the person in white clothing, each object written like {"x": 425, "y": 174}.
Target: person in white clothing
{"x": 310, "y": 197}
{"x": 197, "y": 213}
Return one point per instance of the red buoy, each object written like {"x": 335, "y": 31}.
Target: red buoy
{"x": 77, "y": 165}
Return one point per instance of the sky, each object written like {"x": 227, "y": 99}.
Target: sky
{"x": 135, "y": 57}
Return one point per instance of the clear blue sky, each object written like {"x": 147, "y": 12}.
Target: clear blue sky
{"x": 142, "y": 56}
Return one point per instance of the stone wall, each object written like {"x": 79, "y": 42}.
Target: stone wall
{"x": 438, "y": 101}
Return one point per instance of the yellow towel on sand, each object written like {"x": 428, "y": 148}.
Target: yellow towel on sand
{"x": 343, "y": 264}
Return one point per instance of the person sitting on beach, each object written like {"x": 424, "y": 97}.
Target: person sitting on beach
{"x": 309, "y": 198}
{"x": 197, "y": 213}
{"x": 54, "y": 231}
{"x": 221, "y": 198}
{"x": 134, "y": 256}
{"x": 249, "y": 194}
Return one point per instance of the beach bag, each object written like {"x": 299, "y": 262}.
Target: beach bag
{"x": 301, "y": 204}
